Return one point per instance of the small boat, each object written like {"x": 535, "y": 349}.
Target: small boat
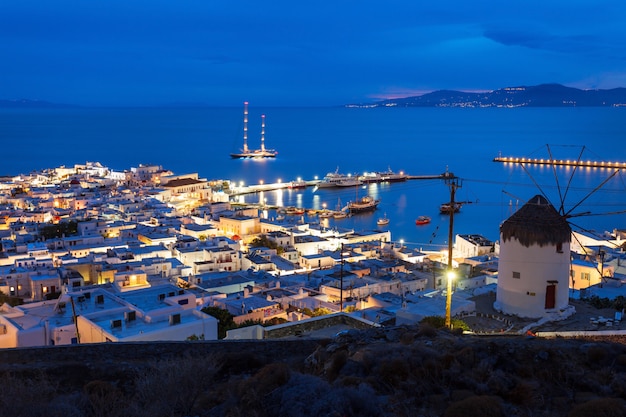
{"x": 294, "y": 211}
{"x": 448, "y": 207}
{"x": 383, "y": 221}
{"x": 422, "y": 220}
{"x": 340, "y": 214}
{"x": 325, "y": 214}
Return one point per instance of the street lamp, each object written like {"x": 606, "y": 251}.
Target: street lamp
{"x": 451, "y": 275}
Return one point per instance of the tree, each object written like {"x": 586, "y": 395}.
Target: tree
{"x": 225, "y": 320}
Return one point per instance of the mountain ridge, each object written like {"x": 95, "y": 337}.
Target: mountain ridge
{"x": 543, "y": 95}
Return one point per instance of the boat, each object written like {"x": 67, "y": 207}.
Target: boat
{"x": 448, "y": 207}
{"x": 299, "y": 183}
{"x": 335, "y": 179}
{"x": 386, "y": 176}
{"x": 253, "y": 153}
{"x": 363, "y": 204}
{"x": 383, "y": 221}
{"x": 390, "y": 176}
{"x": 340, "y": 213}
{"x": 294, "y": 211}
{"x": 325, "y": 214}
{"x": 421, "y": 220}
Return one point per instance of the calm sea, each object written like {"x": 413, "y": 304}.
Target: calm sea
{"x": 314, "y": 141}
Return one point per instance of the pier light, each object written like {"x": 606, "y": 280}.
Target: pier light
{"x": 241, "y": 183}
{"x": 261, "y": 182}
{"x": 279, "y": 181}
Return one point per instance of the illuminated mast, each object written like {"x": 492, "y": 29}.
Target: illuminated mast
{"x": 262, "y": 133}
{"x": 245, "y": 127}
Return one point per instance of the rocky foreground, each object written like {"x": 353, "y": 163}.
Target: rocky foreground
{"x": 399, "y": 371}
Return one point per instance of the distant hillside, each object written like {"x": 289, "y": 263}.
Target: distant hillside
{"x": 28, "y": 104}
{"x": 545, "y": 95}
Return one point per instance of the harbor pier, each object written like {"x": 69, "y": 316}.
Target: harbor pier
{"x": 560, "y": 162}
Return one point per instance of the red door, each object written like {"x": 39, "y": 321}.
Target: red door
{"x": 550, "y": 296}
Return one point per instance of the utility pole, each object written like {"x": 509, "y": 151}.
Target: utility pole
{"x": 341, "y": 280}
{"x": 454, "y": 183}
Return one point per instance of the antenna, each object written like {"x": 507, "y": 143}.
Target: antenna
{"x": 245, "y": 127}
{"x": 262, "y": 133}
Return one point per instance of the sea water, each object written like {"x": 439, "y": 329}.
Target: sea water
{"x": 312, "y": 142}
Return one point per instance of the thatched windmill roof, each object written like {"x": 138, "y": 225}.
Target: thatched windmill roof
{"x": 536, "y": 223}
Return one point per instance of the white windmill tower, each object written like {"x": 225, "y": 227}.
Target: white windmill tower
{"x": 535, "y": 259}
{"x": 534, "y": 265}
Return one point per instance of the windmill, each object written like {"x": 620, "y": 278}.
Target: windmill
{"x": 535, "y": 261}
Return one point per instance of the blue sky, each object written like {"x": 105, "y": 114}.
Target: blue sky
{"x": 292, "y": 53}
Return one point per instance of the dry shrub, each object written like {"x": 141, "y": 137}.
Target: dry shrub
{"x": 172, "y": 387}
{"x": 335, "y": 363}
{"x": 476, "y": 406}
{"x": 522, "y": 394}
{"x": 270, "y": 377}
{"x": 407, "y": 337}
{"x": 427, "y": 330}
{"x": 238, "y": 363}
{"x": 393, "y": 371}
{"x": 596, "y": 354}
{"x": 466, "y": 357}
{"x": 105, "y": 399}
{"x": 27, "y": 395}
{"x": 620, "y": 360}
{"x": 601, "y": 407}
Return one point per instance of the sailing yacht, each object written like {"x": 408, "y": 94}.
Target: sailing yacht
{"x": 253, "y": 153}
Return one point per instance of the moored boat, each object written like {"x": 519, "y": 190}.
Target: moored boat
{"x": 363, "y": 204}
{"x": 383, "y": 221}
{"x": 325, "y": 214}
{"x": 422, "y": 220}
{"x": 448, "y": 207}
{"x": 335, "y": 179}
{"x": 299, "y": 183}
{"x": 294, "y": 211}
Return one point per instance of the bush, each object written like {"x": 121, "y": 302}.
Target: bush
{"x": 477, "y": 406}
{"x": 601, "y": 407}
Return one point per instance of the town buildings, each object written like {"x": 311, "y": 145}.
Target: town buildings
{"x": 91, "y": 255}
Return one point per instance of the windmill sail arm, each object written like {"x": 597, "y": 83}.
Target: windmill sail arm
{"x": 593, "y": 191}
